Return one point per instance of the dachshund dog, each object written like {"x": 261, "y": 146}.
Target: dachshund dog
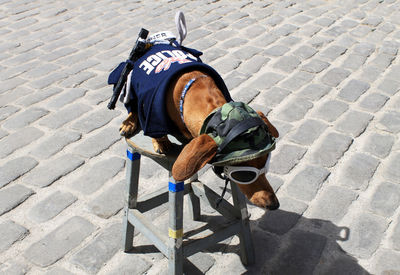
{"x": 201, "y": 99}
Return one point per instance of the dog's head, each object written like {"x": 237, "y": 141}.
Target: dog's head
{"x": 202, "y": 149}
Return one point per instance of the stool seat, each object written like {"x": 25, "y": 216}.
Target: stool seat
{"x": 171, "y": 243}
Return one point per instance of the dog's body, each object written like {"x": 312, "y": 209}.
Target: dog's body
{"x": 201, "y": 99}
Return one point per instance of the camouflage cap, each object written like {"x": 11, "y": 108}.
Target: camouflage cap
{"x": 250, "y": 144}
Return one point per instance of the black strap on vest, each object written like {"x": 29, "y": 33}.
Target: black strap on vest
{"x": 239, "y": 128}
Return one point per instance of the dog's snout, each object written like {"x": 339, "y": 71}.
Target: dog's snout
{"x": 275, "y": 205}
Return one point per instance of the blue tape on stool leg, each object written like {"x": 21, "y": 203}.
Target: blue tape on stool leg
{"x": 176, "y": 187}
{"x": 132, "y": 156}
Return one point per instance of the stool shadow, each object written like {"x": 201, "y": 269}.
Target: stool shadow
{"x": 284, "y": 243}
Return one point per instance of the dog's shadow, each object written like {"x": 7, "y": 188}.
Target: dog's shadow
{"x": 288, "y": 243}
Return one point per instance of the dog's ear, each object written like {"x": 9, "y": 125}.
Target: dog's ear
{"x": 271, "y": 127}
{"x": 197, "y": 153}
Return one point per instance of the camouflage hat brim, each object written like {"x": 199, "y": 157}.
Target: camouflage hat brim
{"x": 250, "y": 144}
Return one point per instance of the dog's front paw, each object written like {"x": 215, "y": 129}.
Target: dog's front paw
{"x": 128, "y": 126}
{"x": 161, "y": 145}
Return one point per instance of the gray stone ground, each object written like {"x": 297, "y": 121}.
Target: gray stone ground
{"x": 326, "y": 73}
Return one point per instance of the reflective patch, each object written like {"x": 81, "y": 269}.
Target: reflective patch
{"x": 175, "y": 234}
{"x": 176, "y": 187}
{"x": 132, "y": 156}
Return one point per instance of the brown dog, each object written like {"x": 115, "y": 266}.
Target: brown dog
{"x": 201, "y": 99}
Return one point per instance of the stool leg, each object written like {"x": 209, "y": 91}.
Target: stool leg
{"x": 175, "y": 248}
{"x": 194, "y": 202}
{"x": 132, "y": 184}
{"x": 246, "y": 243}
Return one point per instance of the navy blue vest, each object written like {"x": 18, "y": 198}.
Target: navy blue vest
{"x": 151, "y": 76}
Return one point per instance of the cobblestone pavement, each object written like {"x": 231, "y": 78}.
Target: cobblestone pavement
{"x": 326, "y": 72}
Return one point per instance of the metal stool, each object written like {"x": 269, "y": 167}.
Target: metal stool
{"x": 172, "y": 245}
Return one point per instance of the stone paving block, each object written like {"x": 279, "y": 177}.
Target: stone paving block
{"x": 55, "y": 143}
{"x": 295, "y": 109}
{"x": 366, "y": 233}
{"x": 395, "y": 236}
{"x": 314, "y": 92}
{"x": 272, "y": 97}
{"x": 226, "y": 65}
{"x": 13, "y": 196}
{"x": 93, "y": 256}
{"x": 335, "y": 31}
{"x": 379, "y": 144}
{"x": 297, "y": 81}
{"x": 11, "y": 233}
{"x": 264, "y": 40}
{"x": 358, "y": 171}
{"x": 59, "y": 242}
{"x": 383, "y": 61}
{"x": 235, "y": 79}
{"x": 282, "y": 220}
{"x": 24, "y": 118}
{"x": 48, "y": 80}
{"x": 392, "y": 170}
{"x": 364, "y": 49}
{"x": 353, "y": 90}
{"x": 389, "y": 86}
{"x": 3, "y": 133}
{"x": 307, "y": 182}
{"x": 94, "y": 120}
{"x": 386, "y": 262}
{"x": 245, "y": 95}
{"x": 303, "y": 253}
{"x": 10, "y": 84}
{"x": 292, "y": 41}
{"x": 308, "y": 132}
{"x": 198, "y": 262}
{"x": 371, "y": 73}
{"x": 332, "y": 148}
{"x": 287, "y": 63}
{"x": 66, "y": 97}
{"x": 7, "y": 111}
{"x": 253, "y": 65}
{"x": 287, "y": 157}
{"x": 277, "y": 50}
{"x": 58, "y": 271}
{"x": 332, "y": 203}
{"x": 334, "y": 76}
{"x": 36, "y": 97}
{"x": 214, "y": 53}
{"x": 333, "y": 52}
{"x": 331, "y": 110}
{"x": 385, "y": 199}
{"x": 96, "y": 144}
{"x": 234, "y": 42}
{"x": 64, "y": 115}
{"x": 15, "y": 168}
{"x": 12, "y": 267}
{"x": 137, "y": 266}
{"x": 315, "y": 66}
{"x": 95, "y": 176}
{"x": 354, "y": 61}
{"x": 266, "y": 81}
{"x": 354, "y": 123}
{"x": 245, "y": 52}
{"x": 373, "y": 102}
{"x": 109, "y": 202}
{"x": 320, "y": 41}
{"x": 390, "y": 122}
{"x": 51, "y": 206}
{"x": 361, "y": 31}
{"x": 52, "y": 170}
{"x": 324, "y": 21}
